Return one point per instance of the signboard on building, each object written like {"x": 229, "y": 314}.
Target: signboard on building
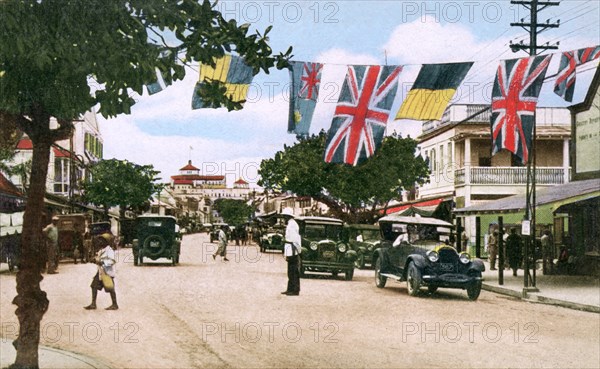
{"x": 586, "y": 134}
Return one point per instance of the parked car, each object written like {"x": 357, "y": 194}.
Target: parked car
{"x": 214, "y": 233}
{"x": 272, "y": 239}
{"x": 364, "y": 239}
{"x": 323, "y": 248}
{"x": 71, "y": 236}
{"x": 157, "y": 236}
{"x": 415, "y": 250}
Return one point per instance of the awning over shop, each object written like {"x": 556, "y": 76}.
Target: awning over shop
{"x": 422, "y": 207}
{"x": 556, "y": 196}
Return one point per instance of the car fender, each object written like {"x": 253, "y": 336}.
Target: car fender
{"x": 351, "y": 255}
{"x": 380, "y": 253}
{"x": 419, "y": 261}
{"x": 477, "y": 265}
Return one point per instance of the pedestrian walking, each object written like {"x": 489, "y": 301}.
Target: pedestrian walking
{"x": 222, "y": 250}
{"x": 291, "y": 251}
{"x": 105, "y": 276}
{"x": 51, "y": 234}
{"x": 514, "y": 246}
{"x": 547, "y": 252}
{"x": 493, "y": 249}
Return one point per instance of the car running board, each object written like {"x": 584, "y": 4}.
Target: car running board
{"x": 391, "y": 276}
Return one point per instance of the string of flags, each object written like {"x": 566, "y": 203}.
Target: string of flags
{"x": 368, "y": 92}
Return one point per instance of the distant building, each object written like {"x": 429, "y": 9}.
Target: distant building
{"x": 195, "y": 193}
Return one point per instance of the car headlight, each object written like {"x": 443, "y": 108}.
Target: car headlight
{"x": 464, "y": 258}
{"x": 433, "y": 256}
{"x": 342, "y": 247}
{"x": 313, "y": 246}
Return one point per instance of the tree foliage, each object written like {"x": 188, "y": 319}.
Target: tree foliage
{"x": 234, "y": 212}
{"x": 53, "y": 50}
{"x": 121, "y": 183}
{"x": 351, "y": 192}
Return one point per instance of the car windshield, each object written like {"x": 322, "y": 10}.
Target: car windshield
{"x": 417, "y": 233}
{"x": 317, "y": 232}
{"x": 370, "y": 234}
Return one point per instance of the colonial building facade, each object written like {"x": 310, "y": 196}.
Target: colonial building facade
{"x": 195, "y": 193}
{"x": 463, "y": 169}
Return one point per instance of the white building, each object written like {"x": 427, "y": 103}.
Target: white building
{"x": 462, "y": 168}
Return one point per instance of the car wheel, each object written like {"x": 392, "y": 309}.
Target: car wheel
{"x": 379, "y": 279}
{"x": 432, "y": 289}
{"x": 349, "y": 274}
{"x": 413, "y": 279}
{"x": 360, "y": 261}
{"x": 474, "y": 289}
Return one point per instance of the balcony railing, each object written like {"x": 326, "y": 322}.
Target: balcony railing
{"x": 508, "y": 176}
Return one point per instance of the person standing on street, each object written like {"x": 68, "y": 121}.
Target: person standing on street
{"x": 104, "y": 278}
{"x": 291, "y": 251}
{"x": 513, "y": 250}
{"x": 493, "y": 249}
{"x": 222, "y": 250}
{"x": 547, "y": 252}
{"x": 51, "y": 233}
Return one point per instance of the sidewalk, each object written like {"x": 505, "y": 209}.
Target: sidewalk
{"x": 570, "y": 291}
{"x": 49, "y": 358}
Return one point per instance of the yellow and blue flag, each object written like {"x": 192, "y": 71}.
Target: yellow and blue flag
{"x": 230, "y": 70}
{"x": 432, "y": 91}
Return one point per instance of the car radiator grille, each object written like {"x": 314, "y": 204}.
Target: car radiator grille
{"x": 327, "y": 251}
{"x": 448, "y": 261}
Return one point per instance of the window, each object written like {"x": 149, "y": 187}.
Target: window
{"x": 61, "y": 175}
{"x": 485, "y": 162}
{"x": 433, "y": 161}
{"x": 441, "y": 157}
{"x": 450, "y": 153}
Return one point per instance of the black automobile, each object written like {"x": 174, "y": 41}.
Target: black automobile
{"x": 157, "y": 236}
{"x": 364, "y": 239}
{"x": 323, "y": 248}
{"x": 415, "y": 250}
{"x": 272, "y": 239}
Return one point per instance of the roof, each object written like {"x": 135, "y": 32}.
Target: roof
{"x": 415, "y": 220}
{"x": 575, "y": 191}
{"x": 196, "y": 177}
{"x": 25, "y": 144}
{"x": 189, "y": 166}
{"x": 240, "y": 181}
{"x": 319, "y": 220}
{"x": 8, "y": 188}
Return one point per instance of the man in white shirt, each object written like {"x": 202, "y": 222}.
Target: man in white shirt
{"x": 291, "y": 251}
{"x": 105, "y": 258}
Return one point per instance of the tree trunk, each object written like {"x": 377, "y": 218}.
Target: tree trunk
{"x": 31, "y": 301}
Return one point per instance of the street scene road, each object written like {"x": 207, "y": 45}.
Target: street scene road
{"x": 211, "y": 313}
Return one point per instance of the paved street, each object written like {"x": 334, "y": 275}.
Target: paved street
{"x": 206, "y": 313}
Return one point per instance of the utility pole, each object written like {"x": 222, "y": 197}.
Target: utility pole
{"x": 533, "y": 28}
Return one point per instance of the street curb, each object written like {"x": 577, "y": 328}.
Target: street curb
{"x": 50, "y": 357}
{"x": 533, "y": 297}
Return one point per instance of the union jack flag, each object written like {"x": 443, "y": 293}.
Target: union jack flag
{"x": 569, "y": 61}
{"x": 362, "y": 113}
{"x": 310, "y": 79}
{"x": 514, "y": 99}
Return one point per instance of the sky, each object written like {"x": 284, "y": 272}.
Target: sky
{"x": 163, "y": 130}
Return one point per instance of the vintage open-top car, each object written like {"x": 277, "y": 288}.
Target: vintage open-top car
{"x": 157, "y": 236}
{"x": 414, "y": 250}
{"x": 323, "y": 248}
{"x": 364, "y": 239}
